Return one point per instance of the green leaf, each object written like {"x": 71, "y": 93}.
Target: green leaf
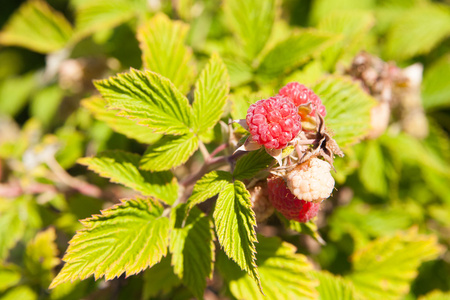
{"x": 250, "y": 164}
{"x": 169, "y": 152}
{"x": 251, "y": 29}
{"x": 293, "y": 52}
{"x": 19, "y": 218}
{"x": 211, "y": 92}
{"x": 94, "y": 16}
{"x": 159, "y": 278}
{"x": 127, "y": 127}
{"x": 21, "y": 292}
{"x": 333, "y": 287}
{"x": 164, "y": 51}
{"x": 128, "y": 237}
{"x": 14, "y": 93}
{"x": 436, "y": 295}
{"x": 123, "y": 167}
{"x": 284, "y": 273}
{"x": 235, "y": 220}
{"x": 208, "y": 186}
{"x": 417, "y": 23}
{"x": 385, "y": 268}
{"x": 41, "y": 256}
{"x": 353, "y": 26}
{"x": 45, "y": 103}
{"x": 38, "y": 27}
{"x": 192, "y": 248}
{"x": 240, "y": 72}
{"x": 149, "y": 99}
{"x": 348, "y": 108}
{"x": 435, "y": 91}
{"x": 372, "y": 169}
{"x": 9, "y": 277}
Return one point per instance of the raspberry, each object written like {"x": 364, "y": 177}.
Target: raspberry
{"x": 300, "y": 94}
{"x": 311, "y": 180}
{"x": 260, "y": 202}
{"x": 287, "y": 204}
{"x": 273, "y": 122}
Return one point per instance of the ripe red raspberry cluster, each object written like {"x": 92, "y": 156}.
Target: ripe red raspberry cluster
{"x": 276, "y": 123}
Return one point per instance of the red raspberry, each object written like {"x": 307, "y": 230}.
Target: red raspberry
{"x": 287, "y": 204}
{"x": 273, "y": 122}
{"x": 300, "y": 94}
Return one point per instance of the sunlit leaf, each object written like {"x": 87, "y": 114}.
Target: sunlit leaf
{"x": 348, "y": 108}
{"x": 9, "y": 277}
{"x": 21, "y": 292}
{"x": 159, "y": 279}
{"x": 374, "y": 275}
{"x": 192, "y": 248}
{"x": 94, "y": 16}
{"x": 372, "y": 170}
{"x": 208, "y": 186}
{"x": 333, "y": 287}
{"x": 38, "y": 27}
{"x": 235, "y": 221}
{"x": 415, "y": 25}
{"x": 149, "y": 99}
{"x": 251, "y": 22}
{"x": 293, "y": 52}
{"x": 126, "y": 238}
{"x": 125, "y": 126}
{"x": 164, "y": 52}
{"x": 284, "y": 273}
{"x": 435, "y": 91}
{"x": 41, "y": 256}
{"x": 14, "y": 93}
{"x": 211, "y": 92}
{"x": 169, "y": 152}
{"x": 250, "y": 164}
{"x": 123, "y": 167}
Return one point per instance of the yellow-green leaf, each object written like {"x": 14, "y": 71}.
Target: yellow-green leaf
{"x": 211, "y": 92}
{"x": 385, "y": 268}
{"x": 235, "y": 221}
{"x": 126, "y": 238}
{"x": 285, "y": 274}
{"x": 149, "y": 99}
{"x": 169, "y": 152}
{"x": 164, "y": 51}
{"x": 348, "y": 108}
{"x": 127, "y": 127}
{"x": 192, "y": 248}
{"x": 38, "y": 27}
{"x": 123, "y": 167}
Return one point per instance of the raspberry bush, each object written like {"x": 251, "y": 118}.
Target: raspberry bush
{"x": 224, "y": 150}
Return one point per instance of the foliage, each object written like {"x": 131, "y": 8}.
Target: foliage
{"x": 126, "y": 107}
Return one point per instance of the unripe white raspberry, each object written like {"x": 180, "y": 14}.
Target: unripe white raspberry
{"x": 311, "y": 180}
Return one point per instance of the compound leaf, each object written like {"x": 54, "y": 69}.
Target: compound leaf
{"x": 415, "y": 25}
{"x": 208, "y": 186}
{"x": 235, "y": 220}
{"x": 149, "y": 99}
{"x": 126, "y": 238}
{"x": 348, "y": 108}
{"x": 211, "y": 91}
{"x": 192, "y": 248}
{"x": 164, "y": 52}
{"x": 284, "y": 273}
{"x": 374, "y": 275}
{"x": 332, "y": 287}
{"x": 38, "y": 27}
{"x": 293, "y": 51}
{"x": 123, "y": 167}
{"x": 435, "y": 91}
{"x": 250, "y": 164}
{"x": 250, "y": 28}
{"x": 169, "y": 152}
{"x": 127, "y": 127}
